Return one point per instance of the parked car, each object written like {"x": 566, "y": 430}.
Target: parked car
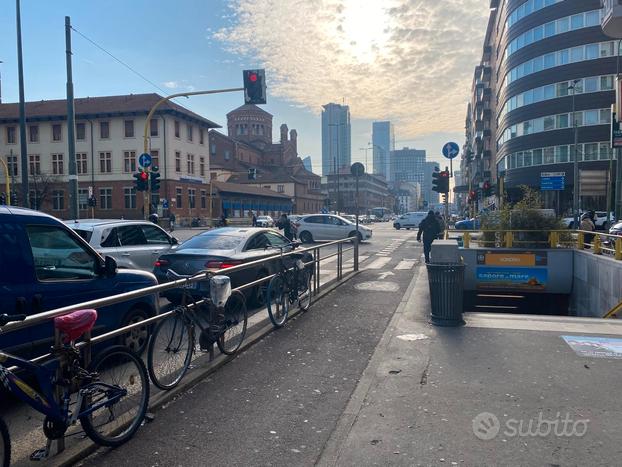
{"x": 224, "y": 248}
{"x": 410, "y": 220}
{"x": 265, "y": 221}
{"x": 329, "y": 227}
{"x": 133, "y": 244}
{"x": 616, "y": 229}
{"x": 468, "y": 224}
{"x": 46, "y": 265}
{"x": 351, "y": 218}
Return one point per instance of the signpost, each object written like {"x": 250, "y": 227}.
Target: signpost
{"x": 357, "y": 169}
{"x": 144, "y": 160}
{"x": 552, "y": 181}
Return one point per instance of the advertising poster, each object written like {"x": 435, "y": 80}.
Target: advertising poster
{"x": 516, "y": 278}
{"x": 595, "y": 346}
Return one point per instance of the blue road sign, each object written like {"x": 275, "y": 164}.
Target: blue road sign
{"x": 451, "y": 150}
{"x": 144, "y": 160}
{"x": 164, "y": 204}
{"x": 552, "y": 181}
{"x": 324, "y": 211}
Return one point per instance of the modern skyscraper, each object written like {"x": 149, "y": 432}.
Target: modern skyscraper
{"x": 336, "y": 139}
{"x": 407, "y": 165}
{"x": 307, "y": 163}
{"x": 383, "y": 140}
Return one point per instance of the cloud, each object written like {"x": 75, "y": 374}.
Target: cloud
{"x": 410, "y": 61}
{"x": 171, "y": 84}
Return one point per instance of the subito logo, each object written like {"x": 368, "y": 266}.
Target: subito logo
{"x": 486, "y": 426}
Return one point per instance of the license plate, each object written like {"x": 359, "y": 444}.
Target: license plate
{"x": 191, "y": 286}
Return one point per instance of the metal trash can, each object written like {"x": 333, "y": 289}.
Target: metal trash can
{"x": 446, "y": 287}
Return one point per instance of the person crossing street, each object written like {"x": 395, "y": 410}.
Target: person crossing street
{"x": 429, "y": 229}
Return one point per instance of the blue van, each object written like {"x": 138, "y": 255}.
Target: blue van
{"x": 45, "y": 265}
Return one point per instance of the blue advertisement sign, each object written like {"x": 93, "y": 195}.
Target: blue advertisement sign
{"x": 526, "y": 279}
{"x": 595, "y": 346}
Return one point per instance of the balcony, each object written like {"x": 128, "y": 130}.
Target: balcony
{"x": 479, "y": 125}
{"x": 487, "y": 53}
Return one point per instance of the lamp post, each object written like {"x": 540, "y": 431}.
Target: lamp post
{"x": 575, "y": 197}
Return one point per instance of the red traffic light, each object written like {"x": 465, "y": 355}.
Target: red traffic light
{"x": 253, "y": 77}
{"x": 144, "y": 176}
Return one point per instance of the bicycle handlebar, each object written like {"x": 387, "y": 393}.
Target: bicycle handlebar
{"x": 5, "y": 319}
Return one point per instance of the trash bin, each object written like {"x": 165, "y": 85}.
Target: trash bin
{"x": 446, "y": 287}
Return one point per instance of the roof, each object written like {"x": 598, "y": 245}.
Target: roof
{"x": 227, "y": 187}
{"x": 235, "y": 231}
{"x": 249, "y": 108}
{"x": 99, "y": 107}
{"x": 91, "y": 223}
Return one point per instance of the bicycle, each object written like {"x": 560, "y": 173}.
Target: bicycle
{"x": 290, "y": 285}
{"x": 221, "y": 318}
{"x": 106, "y": 398}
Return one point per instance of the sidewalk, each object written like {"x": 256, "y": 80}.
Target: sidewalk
{"x": 503, "y": 390}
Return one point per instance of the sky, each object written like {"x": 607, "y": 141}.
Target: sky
{"x": 407, "y": 61}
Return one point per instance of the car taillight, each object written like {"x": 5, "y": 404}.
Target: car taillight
{"x": 161, "y": 263}
{"x": 222, "y": 264}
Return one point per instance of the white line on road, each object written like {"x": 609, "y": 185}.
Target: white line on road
{"x": 379, "y": 263}
{"x": 405, "y": 264}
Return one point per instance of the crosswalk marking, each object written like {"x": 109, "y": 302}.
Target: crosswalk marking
{"x": 378, "y": 263}
{"x": 361, "y": 259}
{"x": 405, "y": 264}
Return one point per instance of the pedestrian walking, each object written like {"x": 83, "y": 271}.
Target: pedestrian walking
{"x": 171, "y": 219}
{"x": 587, "y": 223}
{"x": 441, "y": 224}
{"x": 223, "y": 220}
{"x": 429, "y": 229}
{"x": 254, "y": 219}
{"x": 285, "y": 225}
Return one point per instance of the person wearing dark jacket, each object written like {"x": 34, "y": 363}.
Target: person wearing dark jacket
{"x": 285, "y": 225}
{"x": 429, "y": 229}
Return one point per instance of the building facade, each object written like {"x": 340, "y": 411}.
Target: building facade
{"x": 109, "y": 139}
{"x": 373, "y": 192}
{"x": 542, "y": 63}
{"x": 383, "y": 142}
{"x": 336, "y": 138}
{"x": 407, "y": 165}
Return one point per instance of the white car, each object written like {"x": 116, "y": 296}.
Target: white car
{"x": 410, "y": 220}
{"x": 328, "y": 227}
{"x": 265, "y": 221}
{"x": 600, "y": 223}
{"x": 133, "y": 244}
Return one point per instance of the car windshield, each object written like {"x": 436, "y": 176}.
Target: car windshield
{"x": 212, "y": 242}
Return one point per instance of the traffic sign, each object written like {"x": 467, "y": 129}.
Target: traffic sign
{"x": 144, "y": 160}
{"x": 357, "y": 169}
{"x": 552, "y": 181}
{"x": 324, "y": 211}
{"x": 164, "y": 204}
{"x": 451, "y": 150}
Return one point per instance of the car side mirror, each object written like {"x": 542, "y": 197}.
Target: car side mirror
{"x": 110, "y": 266}
{"x": 174, "y": 241}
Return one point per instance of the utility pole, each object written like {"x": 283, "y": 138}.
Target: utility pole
{"x": 22, "y": 109}
{"x": 71, "y": 142}
{"x": 576, "y": 188}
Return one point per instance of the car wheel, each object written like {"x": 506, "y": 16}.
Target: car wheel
{"x": 407, "y": 228}
{"x": 306, "y": 237}
{"x": 353, "y": 233}
{"x": 137, "y": 338}
{"x": 571, "y": 225}
{"x": 398, "y": 227}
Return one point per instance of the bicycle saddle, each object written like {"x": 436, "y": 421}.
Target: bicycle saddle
{"x": 73, "y": 325}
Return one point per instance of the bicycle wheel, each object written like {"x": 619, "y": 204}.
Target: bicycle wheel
{"x": 304, "y": 297}
{"x": 5, "y": 445}
{"x": 170, "y": 351}
{"x": 278, "y": 301}
{"x": 236, "y": 319}
{"x": 116, "y": 420}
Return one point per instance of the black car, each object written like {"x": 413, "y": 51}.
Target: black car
{"x": 224, "y": 248}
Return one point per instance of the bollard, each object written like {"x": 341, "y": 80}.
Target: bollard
{"x": 466, "y": 239}
{"x": 597, "y": 245}
{"x": 618, "y": 249}
{"x": 356, "y": 253}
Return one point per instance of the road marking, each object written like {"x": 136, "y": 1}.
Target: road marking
{"x": 405, "y": 264}
{"x": 379, "y": 263}
{"x": 361, "y": 259}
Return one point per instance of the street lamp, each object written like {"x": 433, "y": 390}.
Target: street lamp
{"x": 575, "y": 198}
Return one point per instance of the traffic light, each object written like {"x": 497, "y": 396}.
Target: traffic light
{"x": 440, "y": 181}
{"x": 252, "y": 174}
{"x": 92, "y": 202}
{"x": 254, "y": 86}
{"x": 435, "y": 182}
{"x": 486, "y": 188}
{"x": 155, "y": 181}
{"x": 472, "y": 196}
{"x": 141, "y": 181}
{"x": 2, "y": 198}
{"x": 14, "y": 198}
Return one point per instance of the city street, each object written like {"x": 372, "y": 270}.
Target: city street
{"x": 333, "y": 346}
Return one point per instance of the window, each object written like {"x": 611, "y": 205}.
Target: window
{"x": 549, "y": 123}
{"x": 83, "y": 199}
{"x": 35, "y": 164}
{"x": 576, "y": 54}
{"x": 578, "y": 119}
{"x": 58, "y": 200}
{"x": 155, "y": 158}
{"x": 58, "y": 255}
{"x": 537, "y": 156}
{"x": 605, "y": 116}
{"x": 562, "y": 121}
{"x": 131, "y": 235}
{"x": 605, "y": 151}
{"x": 57, "y": 164}
{"x": 606, "y": 83}
{"x": 80, "y": 131}
{"x": 81, "y": 163}
{"x": 203, "y": 199}
{"x": 212, "y": 149}
{"x": 201, "y": 136}
{"x": 192, "y": 198}
{"x": 129, "y": 195}
{"x": 105, "y": 198}
{"x": 227, "y": 155}
{"x": 280, "y": 188}
{"x": 178, "y": 199}
{"x": 549, "y": 155}
{"x": 590, "y": 151}
{"x": 277, "y": 240}
{"x": 57, "y": 130}
{"x": 104, "y": 130}
{"x": 129, "y": 161}
{"x": 202, "y": 166}
{"x": 190, "y": 163}
{"x": 105, "y": 162}
{"x": 561, "y": 154}
{"x": 590, "y": 85}
{"x": 11, "y": 162}
{"x": 153, "y": 127}
{"x": 33, "y": 133}
{"x": 11, "y": 135}
{"x": 177, "y": 161}
{"x": 155, "y": 235}
{"x": 128, "y": 127}
{"x": 36, "y": 199}
{"x": 189, "y": 127}
{"x": 176, "y": 125}
{"x": 591, "y": 117}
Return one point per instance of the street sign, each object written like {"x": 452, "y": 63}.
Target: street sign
{"x": 451, "y": 150}
{"x": 324, "y": 211}
{"x": 357, "y": 169}
{"x": 144, "y": 160}
{"x": 90, "y": 191}
{"x": 165, "y": 204}
{"x": 552, "y": 181}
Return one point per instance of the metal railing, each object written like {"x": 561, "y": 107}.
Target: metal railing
{"x": 597, "y": 242}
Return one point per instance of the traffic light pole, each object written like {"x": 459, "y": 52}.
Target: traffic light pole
{"x": 7, "y": 181}
{"x": 147, "y": 202}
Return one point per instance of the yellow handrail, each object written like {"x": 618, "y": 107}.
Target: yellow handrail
{"x": 614, "y": 311}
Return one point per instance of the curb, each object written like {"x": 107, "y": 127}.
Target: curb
{"x": 87, "y": 447}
